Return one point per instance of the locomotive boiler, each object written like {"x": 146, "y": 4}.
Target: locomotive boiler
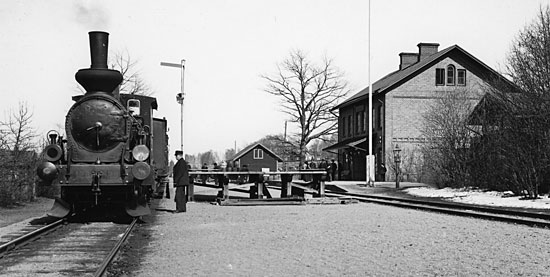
{"x": 106, "y": 159}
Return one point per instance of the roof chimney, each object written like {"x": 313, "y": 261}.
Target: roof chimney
{"x": 426, "y": 49}
{"x": 407, "y": 59}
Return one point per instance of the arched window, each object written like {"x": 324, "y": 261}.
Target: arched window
{"x": 451, "y": 75}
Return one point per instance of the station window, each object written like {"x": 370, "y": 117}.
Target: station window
{"x": 461, "y": 77}
{"x": 362, "y": 122}
{"x": 258, "y": 154}
{"x": 450, "y": 75}
{"x": 379, "y": 117}
{"x": 440, "y": 76}
{"x": 343, "y": 127}
{"x": 366, "y": 120}
{"x": 350, "y": 125}
{"x": 358, "y": 122}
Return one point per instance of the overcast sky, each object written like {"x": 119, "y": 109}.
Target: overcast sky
{"x": 228, "y": 45}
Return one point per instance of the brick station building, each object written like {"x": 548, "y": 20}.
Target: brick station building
{"x": 399, "y": 101}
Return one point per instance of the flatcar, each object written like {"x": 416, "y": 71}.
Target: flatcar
{"x": 112, "y": 156}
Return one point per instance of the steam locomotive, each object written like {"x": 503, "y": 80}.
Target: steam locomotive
{"x": 115, "y": 153}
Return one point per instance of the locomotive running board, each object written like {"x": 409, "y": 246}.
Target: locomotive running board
{"x": 138, "y": 210}
{"x": 60, "y": 209}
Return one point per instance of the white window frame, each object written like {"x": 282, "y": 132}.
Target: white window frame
{"x": 451, "y": 75}
{"x": 258, "y": 154}
{"x": 440, "y": 72}
{"x": 460, "y": 81}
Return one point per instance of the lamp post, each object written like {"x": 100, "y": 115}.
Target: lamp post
{"x": 181, "y": 95}
{"x": 397, "y": 160}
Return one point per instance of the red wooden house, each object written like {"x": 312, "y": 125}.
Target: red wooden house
{"x": 257, "y": 157}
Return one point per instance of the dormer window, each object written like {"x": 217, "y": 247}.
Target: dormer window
{"x": 451, "y": 75}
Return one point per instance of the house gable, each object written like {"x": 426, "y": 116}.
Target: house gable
{"x": 398, "y": 77}
{"x": 256, "y": 157}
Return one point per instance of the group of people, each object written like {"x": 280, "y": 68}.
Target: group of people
{"x": 331, "y": 168}
{"x": 182, "y": 181}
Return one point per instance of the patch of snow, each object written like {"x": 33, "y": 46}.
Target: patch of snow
{"x": 475, "y": 196}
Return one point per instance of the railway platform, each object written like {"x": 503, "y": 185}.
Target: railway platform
{"x": 379, "y": 187}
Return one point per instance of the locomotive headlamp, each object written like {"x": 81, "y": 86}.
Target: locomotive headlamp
{"x": 46, "y": 171}
{"x": 140, "y": 153}
{"x": 141, "y": 170}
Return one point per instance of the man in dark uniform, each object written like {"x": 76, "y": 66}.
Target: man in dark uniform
{"x": 181, "y": 182}
{"x": 333, "y": 170}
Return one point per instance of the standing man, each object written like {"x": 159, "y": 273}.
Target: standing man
{"x": 333, "y": 169}
{"x": 181, "y": 182}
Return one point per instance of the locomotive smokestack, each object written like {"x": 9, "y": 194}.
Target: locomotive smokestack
{"x": 99, "y": 46}
{"x": 98, "y": 78}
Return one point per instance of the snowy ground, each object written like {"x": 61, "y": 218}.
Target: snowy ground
{"x": 473, "y": 196}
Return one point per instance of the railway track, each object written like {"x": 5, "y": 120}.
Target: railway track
{"x": 540, "y": 219}
{"x": 511, "y": 215}
{"x": 29, "y": 235}
{"x": 72, "y": 249}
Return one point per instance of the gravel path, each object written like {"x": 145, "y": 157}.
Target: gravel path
{"x": 335, "y": 240}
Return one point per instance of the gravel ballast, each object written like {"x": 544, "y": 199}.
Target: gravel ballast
{"x": 333, "y": 240}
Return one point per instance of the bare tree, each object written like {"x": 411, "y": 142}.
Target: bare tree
{"x": 285, "y": 149}
{"x": 229, "y": 153}
{"x": 17, "y": 156}
{"x": 317, "y": 146}
{"x": 514, "y": 141}
{"x": 18, "y": 129}
{"x": 307, "y": 92}
{"x": 448, "y": 138}
{"x": 132, "y": 82}
{"x": 528, "y": 62}
{"x": 208, "y": 157}
{"x": 525, "y": 115}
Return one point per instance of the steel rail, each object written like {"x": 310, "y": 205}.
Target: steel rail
{"x": 498, "y": 214}
{"x": 479, "y": 208}
{"x": 27, "y": 237}
{"x": 540, "y": 219}
{"x": 107, "y": 261}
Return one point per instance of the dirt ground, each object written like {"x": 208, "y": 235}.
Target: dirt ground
{"x": 319, "y": 240}
{"x": 25, "y": 211}
{"x": 331, "y": 240}
{"x": 328, "y": 240}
